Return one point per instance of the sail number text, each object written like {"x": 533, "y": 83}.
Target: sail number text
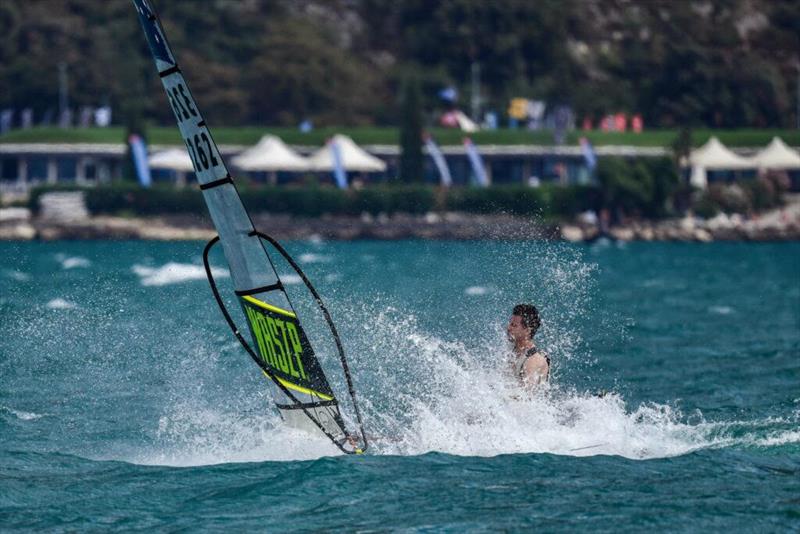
{"x": 201, "y": 150}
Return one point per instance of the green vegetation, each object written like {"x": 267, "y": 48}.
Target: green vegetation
{"x": 750, "y": 196}
{"x": 411, "y": 162}
{"x": 715, "y": 64}
{"x": 641, "y": 187}
{"x": 312, "y": 201}
{"x": 376, "y": 135}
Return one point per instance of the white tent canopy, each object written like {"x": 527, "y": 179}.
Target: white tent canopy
{"x": 175, "y": 159}
{"x": 354, "y": 158}
{"x": 777, "y": 155}
{"x": 271, "y": 154}
{"x": 714, "y": 156}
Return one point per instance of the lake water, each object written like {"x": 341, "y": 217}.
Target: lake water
{"x": 125, "y": 402}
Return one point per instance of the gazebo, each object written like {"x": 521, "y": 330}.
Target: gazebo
{"x": 714, "y": 156}
{"x": 271, "y": 155}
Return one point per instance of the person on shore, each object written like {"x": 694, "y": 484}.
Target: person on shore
{"x": 531, "y": 366}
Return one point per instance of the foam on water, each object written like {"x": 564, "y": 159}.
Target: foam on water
{"x": 60, "y": 304}
{"x": 721, "y": 310}
{"x": 21, "y": 415}
{"x": 174, "y": 273}
{"x": 476, "y": 291}
{"x": 72, "y": 262}
{"x": 291, "y": 279}
{"x": 310, "y": 257}
{"x": 17, "y": 276}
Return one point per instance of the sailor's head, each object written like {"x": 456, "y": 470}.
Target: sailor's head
{"x": 524, "y": 322}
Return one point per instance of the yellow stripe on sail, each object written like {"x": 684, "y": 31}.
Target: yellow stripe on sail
{"x": 301, "y": 389}
{"x": 270, "y": 307}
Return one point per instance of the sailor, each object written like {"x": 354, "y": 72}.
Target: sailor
{"x": 530, "y": 365}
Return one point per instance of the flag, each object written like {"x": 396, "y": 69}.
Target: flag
{"x": 139, "y": 154}
{"x": 439, "y": 161}
{"x": 588, "y": 153}
{"x": 339, "y": 173}
{"x": 476, "y": 161}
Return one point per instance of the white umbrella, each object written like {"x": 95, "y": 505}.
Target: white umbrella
{"x": 354, "y": 158}
{"x": 271, "y": 154}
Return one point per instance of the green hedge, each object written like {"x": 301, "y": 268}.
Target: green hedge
{"x": 313, "y": 201}
{"x": 522, "y": 200}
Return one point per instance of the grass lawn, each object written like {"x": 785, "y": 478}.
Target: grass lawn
{"x": 249, "y": 135}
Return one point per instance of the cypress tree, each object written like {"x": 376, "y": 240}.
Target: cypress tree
{"x": 411, "y": 169}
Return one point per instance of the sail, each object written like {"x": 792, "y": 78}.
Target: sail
{"x": 280, "y": 345}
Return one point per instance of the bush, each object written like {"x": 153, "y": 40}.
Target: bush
{"x": 313, "y": 201}
{"x": 548, "y": 199}
{"x": 641, "y": 187}
{"x": 742, "y": 197}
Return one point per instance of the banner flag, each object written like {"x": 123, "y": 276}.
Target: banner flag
{"x": 588, "y": 153}
{"x": 477, "y": 163}
{"x": 439, "y": 161}
{"x": 139, "y": 154}
{"x": 339, "y": 173}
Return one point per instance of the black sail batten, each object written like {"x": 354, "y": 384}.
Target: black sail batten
{"x": 281, "y": 348}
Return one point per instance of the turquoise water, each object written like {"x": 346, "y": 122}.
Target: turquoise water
{"x": 126, "y": 404}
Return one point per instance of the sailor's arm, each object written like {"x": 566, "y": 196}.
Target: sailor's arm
{"x": 535, "y": 370}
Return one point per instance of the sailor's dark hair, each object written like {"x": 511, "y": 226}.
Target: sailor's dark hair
{"x": 529, "y": 315}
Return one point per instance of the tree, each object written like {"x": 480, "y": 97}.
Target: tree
{"x": 411, "y": 167}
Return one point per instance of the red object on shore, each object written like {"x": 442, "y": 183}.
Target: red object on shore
{"x": 620, "y": 122}
{"x": 637, "y": 124}
{"x": 587, "y": 124}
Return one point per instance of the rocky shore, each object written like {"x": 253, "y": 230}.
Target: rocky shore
{"x": 779, "y": 225}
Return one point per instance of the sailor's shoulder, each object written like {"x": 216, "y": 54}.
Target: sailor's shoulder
{"x": 536, "y": 358}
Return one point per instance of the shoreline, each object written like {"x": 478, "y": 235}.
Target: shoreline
{"x": 779, "y": 225}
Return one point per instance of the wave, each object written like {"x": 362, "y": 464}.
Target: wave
{"x": 17, "y": 276}
{"x": 720, "y": 310}
{"x": 60, "y": 304}
{"x": 310, "y": 257}
{"x": 291, "y": 279}
{"x": 174, "y": 273}
{"x": 72, "y": 262}
{"x": 21, "y": 415}
{"x": 476, "y": 291}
